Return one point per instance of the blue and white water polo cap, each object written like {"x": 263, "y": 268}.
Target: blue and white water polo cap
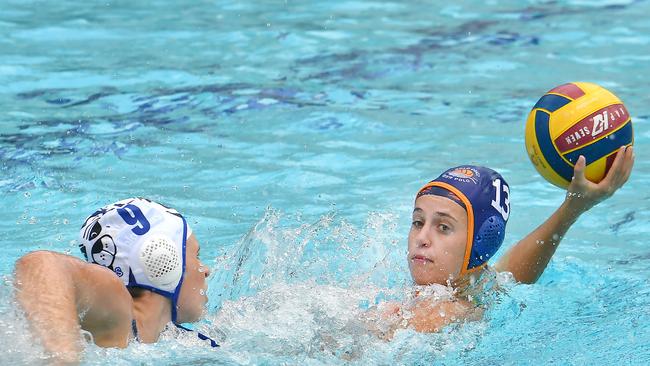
{"x": 142, "y": 241}
{"x": 485, "y": 195}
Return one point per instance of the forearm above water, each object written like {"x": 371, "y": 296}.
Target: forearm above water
{"x": 528, "y": 259}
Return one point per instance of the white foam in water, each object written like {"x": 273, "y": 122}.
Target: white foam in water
{"x": 18, "y": 347}
{"x": 292, "y": 321}
{"x": 321, "y": 324}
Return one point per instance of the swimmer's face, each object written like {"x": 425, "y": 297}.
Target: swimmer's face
{"x": 192, "y": 298}
{"x": 437, "y": 240}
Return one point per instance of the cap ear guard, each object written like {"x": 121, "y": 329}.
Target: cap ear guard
{"x": 487, "y": 241}
{"x": 161, "y": 262}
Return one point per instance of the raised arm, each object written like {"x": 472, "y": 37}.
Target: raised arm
{"x": 61, "y": 294}
{"x": 529, "y": 257}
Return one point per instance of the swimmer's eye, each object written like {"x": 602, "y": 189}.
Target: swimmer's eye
{"x": 444, "y": 228}
{"x": 417, "y": 224}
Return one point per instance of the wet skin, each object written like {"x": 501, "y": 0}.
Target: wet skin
{"x": 437, "y": 240}
{"x": 193, "y": 294}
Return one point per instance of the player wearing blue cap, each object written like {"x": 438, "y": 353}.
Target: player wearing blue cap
{"x": 459, "y": 222}
{"x": 142, "y": 272}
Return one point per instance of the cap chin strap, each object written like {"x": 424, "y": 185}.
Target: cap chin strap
{"x": 177, "y": 291}
{"x": 472, "y": 270}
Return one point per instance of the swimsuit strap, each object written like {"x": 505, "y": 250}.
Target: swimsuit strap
{"x": 201, "y": 336}
{"x": 134, "y": 329}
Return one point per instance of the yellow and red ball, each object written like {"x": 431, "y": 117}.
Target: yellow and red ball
{"x": 576, "y": 119}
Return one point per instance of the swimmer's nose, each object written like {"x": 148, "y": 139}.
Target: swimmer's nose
{"x": 423, "y": 239}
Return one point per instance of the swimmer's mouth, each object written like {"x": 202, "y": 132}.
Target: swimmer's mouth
{"x": 420, "y": 259}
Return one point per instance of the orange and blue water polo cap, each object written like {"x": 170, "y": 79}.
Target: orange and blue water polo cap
{"x": 485, "y": 196}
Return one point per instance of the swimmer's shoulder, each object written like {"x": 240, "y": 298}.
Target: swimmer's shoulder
{"x": 108, "y": 305}
{"x": 103, "y": 304}
{"x": 88, "y": 278}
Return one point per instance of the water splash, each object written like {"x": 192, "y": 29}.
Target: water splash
{"x": 312, "y": 292}
{"x": 281, "y": 248}
{"x": 18, "y": 345}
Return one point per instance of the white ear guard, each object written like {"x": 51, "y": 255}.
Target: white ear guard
{"x": 161, "y": 262}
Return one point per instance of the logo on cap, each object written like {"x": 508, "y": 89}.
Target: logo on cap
{"x": 103, "y": 251}
{"x": 463, "y": 174}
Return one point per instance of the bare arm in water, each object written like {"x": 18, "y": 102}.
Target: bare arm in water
{"x": 61, "y": 294}
{"x": 528, "y": 258}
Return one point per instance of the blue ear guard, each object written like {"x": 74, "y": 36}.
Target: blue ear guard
{"x": 487, "y": 241}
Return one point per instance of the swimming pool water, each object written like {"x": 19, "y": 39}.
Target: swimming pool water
{"x": 293, "y": 135}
